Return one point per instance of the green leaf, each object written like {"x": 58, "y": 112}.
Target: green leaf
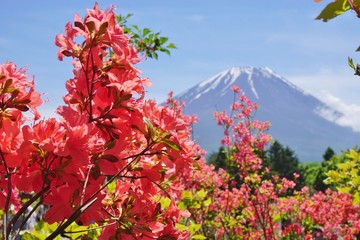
{"x": 28, "y": 236}
{"x": 333, "y": 176}
{"x": 333, "y": 10}
{"x": 353, "y": 154}
{"x": 207, "y": 202}
{"x": 198, "y": 236}
{"x": 165, "y": 202}
{"x": 146, "y": 42}
{"x": 155, "y": 55}
{"x": 187, "y": 195}
{"x": 351, "y": 64}
{"x": 166, "y": 51}
{"x": 171, "y": 144}
{"x": 122, "y": 19}
{"x": 181, "y": 227}
{"x": 111, "y": 186}
{"x": 171, "y": 45}
{"x": 356, "y": 198}
{"x": 151, "y": 37}
{"x": 181, "y": 206}
{"x": 193, "y": 228}
{"x": 150, "y": 127}
{"x": 136, "y": 28}
{"x": 145, "y": 31}
{"x": 201, "y": 194}
{"x": 196, "y": 205}
{"x": 163, "y": 40}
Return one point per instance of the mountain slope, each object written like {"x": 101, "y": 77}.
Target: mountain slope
{"x": 294, "y": 115}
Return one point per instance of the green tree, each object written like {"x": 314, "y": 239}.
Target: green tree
{"x": 280, "y": 161}
{"x": 221, "y": 159}
{"x": 310, "y": 172}
{"x": 329, "y": 153}
{"x": 283, "y": 162}
{"x": 218, "y": 159}
{"x": 328, "y": 163}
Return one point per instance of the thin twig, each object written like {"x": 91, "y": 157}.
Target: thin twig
{"x": 23, "y": 222}
{"x": 8, "y": 197}
{"x": 25, "y": 207}
{"x": 84, "y": 188}
{"x": 71, "y": 219}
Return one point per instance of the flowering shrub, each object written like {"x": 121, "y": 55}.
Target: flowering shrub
{"x": 249, "y": 205}
{"x": 111, "y": 157}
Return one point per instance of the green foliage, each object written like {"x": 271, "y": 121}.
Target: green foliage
{"x": 315, "y": 173}
{"x": 145, "y": 41}
{"x": 322, "y": 172}
{"x": 346, "y": 175}
{"x": 310, "y": 170}
{"x": 329, "y": 153}
{"x": 280, "y": 160}
{"x": 74, "y": 231}
{"x": 197, "y": 201}
{"x": 283, "y": 162}
{"x": 220, "y": 159}
{"x": 337, "y": 8}
{"x": 337, "y": 172}
{"x": 333, "y": 10}
{"x": 193, "y": 202}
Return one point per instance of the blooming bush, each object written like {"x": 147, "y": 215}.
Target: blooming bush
{"x": 112, "y": 156}
{"x": 249, "y": 205}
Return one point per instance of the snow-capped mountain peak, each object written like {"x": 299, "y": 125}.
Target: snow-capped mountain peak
{"x": 222, "y": 81}
{"x": 297, "y": 118}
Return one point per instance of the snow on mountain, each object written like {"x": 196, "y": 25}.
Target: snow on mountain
{"x": 298, "y": 119}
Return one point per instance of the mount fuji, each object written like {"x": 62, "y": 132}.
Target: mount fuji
{"x": 297, "y": 118}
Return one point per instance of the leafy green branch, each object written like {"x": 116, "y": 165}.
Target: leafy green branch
{"x": 337, "y": 8}
{"x": 146, "y": 41}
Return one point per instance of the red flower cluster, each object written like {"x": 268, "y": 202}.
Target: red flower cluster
{"x": 107, "y": 133}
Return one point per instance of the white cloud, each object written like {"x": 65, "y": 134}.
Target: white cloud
{"x": 350, "y": 112}
{"x": 341, "y": 83}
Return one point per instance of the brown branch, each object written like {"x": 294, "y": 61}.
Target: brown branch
{"x": 25, "y": 207}
{"x": 354, "y": 7}
{"x": 71, "y": 219}
{"x": 8, "y": 196}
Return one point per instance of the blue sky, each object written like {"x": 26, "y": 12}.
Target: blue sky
{"x": 211, "y": 36}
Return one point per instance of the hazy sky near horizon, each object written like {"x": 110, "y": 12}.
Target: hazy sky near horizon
{"x": 211, "y": 36}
